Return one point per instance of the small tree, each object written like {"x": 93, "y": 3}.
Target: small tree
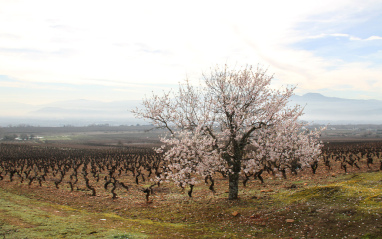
{"x": 232, "y": 122}
{"x": 10, "y": 137}
{"x": 23, "y": 136}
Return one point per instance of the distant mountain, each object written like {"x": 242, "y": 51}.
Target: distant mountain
{"x": 15, "y": 109}
{"x": 322, "y": 109}
{"x": 74, "y": 112}
{"x": 318, "y": 109}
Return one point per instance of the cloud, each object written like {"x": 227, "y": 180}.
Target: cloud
{"x": 350, "y": 37}
{"x": 374, "y": 38}
{"x": 123, "y": 44}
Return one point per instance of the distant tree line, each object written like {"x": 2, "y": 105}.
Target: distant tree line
{"x": 13, "y": 137}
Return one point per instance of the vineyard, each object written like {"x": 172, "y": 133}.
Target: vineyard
{"x": 119, "y": 183}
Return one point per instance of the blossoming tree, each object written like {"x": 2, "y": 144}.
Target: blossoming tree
{"x": 232, "y": 123}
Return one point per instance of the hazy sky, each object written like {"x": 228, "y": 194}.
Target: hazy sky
{"x": 121, "y": 50}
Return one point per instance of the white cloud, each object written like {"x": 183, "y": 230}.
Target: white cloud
{"x": 125, "y": 43}
{"x": 374, "y": 38}
{"x": 350, "y": 37}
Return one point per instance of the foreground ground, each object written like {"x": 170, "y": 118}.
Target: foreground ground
{"x": 326, "y": 205}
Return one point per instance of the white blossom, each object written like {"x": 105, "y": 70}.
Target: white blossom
{"x": 232, "y": 123}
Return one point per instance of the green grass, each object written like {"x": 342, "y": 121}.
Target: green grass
{"x": 363, "y": 190}
{"x": 22, "y": 217}
{"x": 353, "y": 202}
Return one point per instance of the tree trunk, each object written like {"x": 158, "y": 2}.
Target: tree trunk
{"x": 234, "y": 175}
{"x": 233, "y": 185}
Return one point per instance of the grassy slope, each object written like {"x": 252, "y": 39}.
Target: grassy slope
{"x": 22, "y": 217}
{"x": 349, "y": 205}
